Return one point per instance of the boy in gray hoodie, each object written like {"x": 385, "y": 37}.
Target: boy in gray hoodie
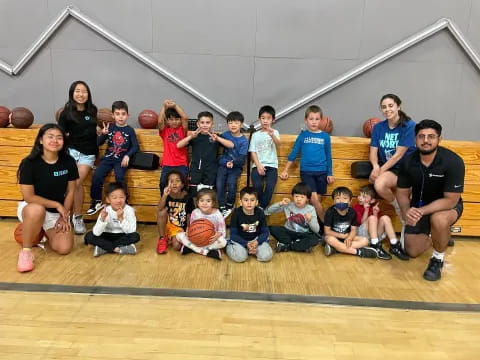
{"x": 301, "y": 226}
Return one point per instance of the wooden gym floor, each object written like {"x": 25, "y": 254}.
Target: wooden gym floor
{"x": 80, "y": 307}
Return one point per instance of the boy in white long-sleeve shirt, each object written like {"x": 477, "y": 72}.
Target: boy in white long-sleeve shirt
{"x": 115, "y": 230}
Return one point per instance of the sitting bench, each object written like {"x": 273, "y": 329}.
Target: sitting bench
{"x": 144, "y": 193}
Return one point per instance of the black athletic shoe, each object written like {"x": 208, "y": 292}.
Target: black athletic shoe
{"x": 329, "y": 250}
{"x": 281, "y": 247}
{"x": 367, "y": 252}
{"x": 434, "y": 270}
{"x": 184, "y": 250}
{"x": 215, "y": 254}
{"x": 95, "y": 206}
{"x": 381, "y": 253}
{"x": 398, "y": 251}
{"x": 451, "y": 242}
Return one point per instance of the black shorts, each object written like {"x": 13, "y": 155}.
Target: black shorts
{"x": 394, "y": 170}
{"x": 206, "y": 175}
{"x": 317, "y": 180}
{"x": 423, "y": 225}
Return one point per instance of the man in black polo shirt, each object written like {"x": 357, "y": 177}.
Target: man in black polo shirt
{"x": 434, "y": 177}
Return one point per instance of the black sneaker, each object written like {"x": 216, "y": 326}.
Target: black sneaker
{"x": 215, "y": 254}
{"x": 329, "y": 250}
{"x": 184, "y": 250}
{"x": 95, "y": 206}
{"x": 398, "y": 251}
{"x": 434, "y": 270}
{"x": 381, "y": 253}
{"x": 367, "y": 252}
{"x": 281, "y": 247}
{"x": 451, "y": 242}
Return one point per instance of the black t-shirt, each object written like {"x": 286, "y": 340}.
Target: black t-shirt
{"x": 49, "y": 181}
{"x": 248, "y": 226}
{"x": 204, "y": 152}
{"x": 82, "y": 131}
{"x": 178, "y": 209}
{"x": 340, "y": 223}
{"x": 445, "y": 174}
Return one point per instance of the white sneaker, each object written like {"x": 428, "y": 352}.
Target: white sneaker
{"x": 78, "y": 225}
{"x": 203, "y": 186}
{"x": 226, "y": 211}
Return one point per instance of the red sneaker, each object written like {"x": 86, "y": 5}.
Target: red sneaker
{"x": 25, "y": 261}
{"x": 162, "y": 244}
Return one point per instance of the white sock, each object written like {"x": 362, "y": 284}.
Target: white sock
{"x": 438, "y": 255}
{"x": 393, "y": 241}
{"x": 374, "y": 241}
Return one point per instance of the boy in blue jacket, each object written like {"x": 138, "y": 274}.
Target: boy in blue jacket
{"x": 314, "y": 145}
{"x": 248, "y": 230}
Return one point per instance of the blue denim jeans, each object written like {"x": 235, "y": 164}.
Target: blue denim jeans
{"x": 227, "y": 180}
{"x": 101, "y": 172}
{"x": 264, "y": 185}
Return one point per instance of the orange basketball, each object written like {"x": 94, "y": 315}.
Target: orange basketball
{"x": 104, "y": 115}
{"x": 326, "y": 124}
{"x": 200, "y": 232}
{"x": 368, "y": 126}
{"x": 17, "y": 234}
{"x": 22, "y": 118}
{"x": 4, "y": 113}
{"x": 148, "y": 119}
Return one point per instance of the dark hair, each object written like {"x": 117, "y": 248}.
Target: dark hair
{"x": 342, "y": 190}
{"x": 180, "y": 175}
{"x": 204, "y": 114}
{"x": 171, "y": 113}
{"x": 119, "y": 105}
{"x": 428, "y": 124}
{"x": 368, "y": 189}
{"x": 209, "y": 192}
{"x": 250, "y": 190}
{"x": 302, "y": 188}
{"x": 267, "y": 109}
{"x": 313, "y": 109}
{"x": 235, "y": 116}
{"x": 37, "y": 148}
{"x": 113, "y": 186}
{"x": 71, "y": 105}
{"x": 402, "y": 116}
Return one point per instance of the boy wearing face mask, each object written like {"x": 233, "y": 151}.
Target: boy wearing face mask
{"x": 341, "y": 227}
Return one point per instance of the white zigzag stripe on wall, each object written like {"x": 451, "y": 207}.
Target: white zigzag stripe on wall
{"x": 430, "y": 30}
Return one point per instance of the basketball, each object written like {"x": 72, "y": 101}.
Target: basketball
{"x": 326, "y": 124}
{"x": 4, "y": 113}
{"x": 148, "y": 119}
{"x": 200, "y": 232}
{"x": 22, "y": 118}
{"x": 104, "y": 115}
{"x": 58, "y": 113}
{"x": 17, "y": 234}
{"x": 368, "y": 126}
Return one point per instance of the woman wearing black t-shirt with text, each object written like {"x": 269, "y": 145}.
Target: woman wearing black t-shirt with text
{"x": 79, "y": 120}
{"x": 47, "y": 182}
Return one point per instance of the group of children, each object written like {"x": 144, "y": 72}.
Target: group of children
{"x": 188, "y": 195}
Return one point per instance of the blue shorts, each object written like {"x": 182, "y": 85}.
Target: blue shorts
{"x": 317, "y": 180}
{"x": 82, "y": 159}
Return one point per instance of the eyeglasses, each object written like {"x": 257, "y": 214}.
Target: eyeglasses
{"x": 427, "y": 136}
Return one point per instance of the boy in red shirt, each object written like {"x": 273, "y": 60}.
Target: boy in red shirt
{"x": 375, "y": 226}
{"x": 172, "y": 127}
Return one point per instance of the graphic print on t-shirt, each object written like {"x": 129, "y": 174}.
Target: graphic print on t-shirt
{"x": 177, "y": 213}
{"x": 118, "y": 141}
{"x": 389, "y": 143}
{"x": 173, "y": 138}
{"x": 250, "y": 228}
{"x": 297, "y": 222}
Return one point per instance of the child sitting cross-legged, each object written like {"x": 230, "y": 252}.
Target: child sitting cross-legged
{"x": 248, "y": 230}
{"x": 376, "y": 226}
{"x": 341, "y": 227}
{"x": 298, "y": 233}
{"x": 115, "y": 230}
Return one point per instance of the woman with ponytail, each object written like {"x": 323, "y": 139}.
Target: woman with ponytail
{"x": 392, "y": 140}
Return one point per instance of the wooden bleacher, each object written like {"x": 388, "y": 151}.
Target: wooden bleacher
{"x": 15, "y": 144}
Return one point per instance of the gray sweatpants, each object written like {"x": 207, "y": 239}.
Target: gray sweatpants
{"x": 239, "y": 253}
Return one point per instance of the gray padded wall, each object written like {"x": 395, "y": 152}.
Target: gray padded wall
{"x": 248, "y": 53}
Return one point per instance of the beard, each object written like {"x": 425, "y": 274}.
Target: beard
{"x": 428, "y": 152}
